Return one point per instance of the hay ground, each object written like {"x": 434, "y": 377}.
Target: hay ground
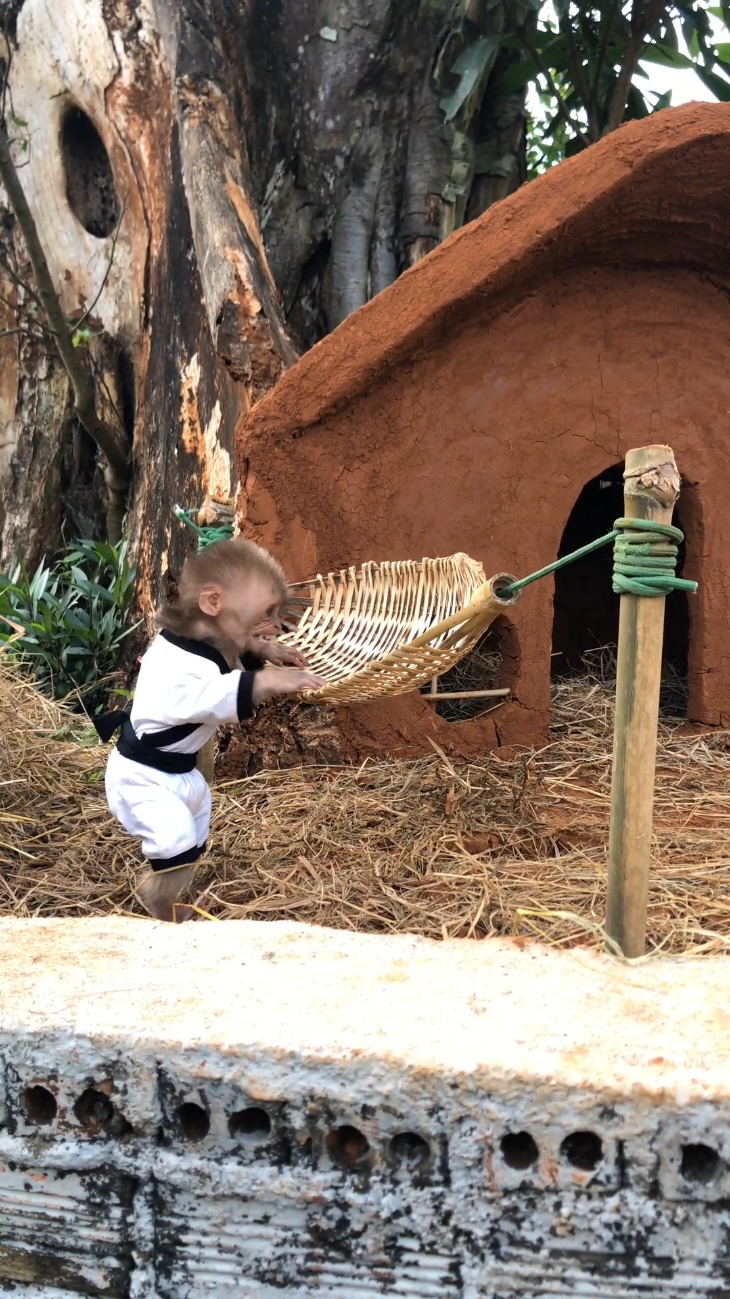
{"x": 426, "y": 847}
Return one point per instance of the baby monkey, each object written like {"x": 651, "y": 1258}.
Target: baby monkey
{"x": 215, "y": 658}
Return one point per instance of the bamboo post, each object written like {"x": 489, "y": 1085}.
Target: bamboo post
{"x": 651, "y": 488}
{"x": 206, "y": 760}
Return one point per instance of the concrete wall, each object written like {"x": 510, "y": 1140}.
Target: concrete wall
{"x": 272, "y": 1110}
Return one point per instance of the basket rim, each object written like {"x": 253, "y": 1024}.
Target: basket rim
{"x": 370, "y": 566}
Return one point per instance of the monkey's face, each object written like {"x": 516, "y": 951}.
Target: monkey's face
{"x": 241, "y": 610}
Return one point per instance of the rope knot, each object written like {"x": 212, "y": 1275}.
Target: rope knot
{"x": 645, "y": 558}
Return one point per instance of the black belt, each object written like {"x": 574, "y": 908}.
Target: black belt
{"x": 147, "y": 749}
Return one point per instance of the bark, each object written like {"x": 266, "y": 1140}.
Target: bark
{"x": 267, "y": 166}
{"x": 106, "y": 433}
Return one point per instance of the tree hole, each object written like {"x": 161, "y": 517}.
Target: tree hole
{"x": 519, "y": 1150}
{"x": 699, "y": 1163}
{"x": 40, "y": 1105}
{"x": 90, "y": 188}
{"x": 253, "y": 1124}
{"x": 585, "y": 608}
{"x": 347, "y": 1147}
{"x": 490, "y": 665}
{"x": 127, "y": 391}
{"x": 410, "y": 1150}
{"x": 193, "y": 1121}
{"x": 584, "y": 1150}
{"x": 93, "y": 1109}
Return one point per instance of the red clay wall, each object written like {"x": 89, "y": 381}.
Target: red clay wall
{"x": 482, "y": 441}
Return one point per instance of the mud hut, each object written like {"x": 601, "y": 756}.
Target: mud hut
{"x": 485, "y": 403}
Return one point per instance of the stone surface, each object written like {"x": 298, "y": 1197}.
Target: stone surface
{"x": 268, "y": 1109}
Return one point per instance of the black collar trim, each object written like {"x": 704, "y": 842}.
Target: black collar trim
{"x": 199, "y": 647}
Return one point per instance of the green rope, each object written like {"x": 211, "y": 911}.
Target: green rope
{"x": 644, "y": 559}
{"x": 206, "y": 536}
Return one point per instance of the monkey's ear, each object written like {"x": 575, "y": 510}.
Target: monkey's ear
{"x": 209, "y": 600}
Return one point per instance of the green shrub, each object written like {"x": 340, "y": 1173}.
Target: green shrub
{"x": 75, "y": 616}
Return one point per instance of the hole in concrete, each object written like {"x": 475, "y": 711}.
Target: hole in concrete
{"x": 699, "y": 1163}
{"x": 93, "y": 1109}
{"x": 583, "y": 1150}
{"x": 519, "y": 1150}
{"x": 90, "y": 188}
{"x": 252, "y": 1123}
{"x": 410, "y": 1150}
{"x": 193, "y": 1121}
{"x": 40, "y": 1105}
{"x": 347, "y": 1146}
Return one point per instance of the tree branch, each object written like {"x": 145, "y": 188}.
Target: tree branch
{"x": 603, "y": 50}
{"x": 21, "y": 329}
{"x": 580, "y": 77}
{"x": 521, "y": 33}
{"x": 110, "y": 441}
{"x": 78, "y": 323}
{"x": 21, "y": 283}
{"x": 642, "y": 22}
{"x": 562, "y": 107}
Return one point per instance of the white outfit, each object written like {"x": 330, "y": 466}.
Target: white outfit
{"x": 169, "y": 813}
{"x": 181, "y": 683}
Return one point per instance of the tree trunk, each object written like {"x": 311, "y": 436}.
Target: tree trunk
{"x": 218, "y": 183}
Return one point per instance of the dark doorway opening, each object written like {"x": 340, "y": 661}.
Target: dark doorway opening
{"x": 585, "y": 609}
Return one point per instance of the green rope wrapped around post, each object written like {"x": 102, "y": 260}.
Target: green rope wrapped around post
{"x": 206, "y": 535}
{"x": 645, "y": 558}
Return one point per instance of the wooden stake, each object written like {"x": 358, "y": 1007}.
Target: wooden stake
{"x": 206, "y": 760}
{"x": 651, "y": 488}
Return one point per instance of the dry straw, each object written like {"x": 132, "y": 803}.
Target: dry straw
{"x": 428, "y": 847}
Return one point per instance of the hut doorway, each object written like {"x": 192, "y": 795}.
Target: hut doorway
{"x": 585, "y": 609}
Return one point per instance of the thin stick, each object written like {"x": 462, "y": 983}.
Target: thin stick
{"x": 651, "y": 488}
{"x": 465, "y": 694}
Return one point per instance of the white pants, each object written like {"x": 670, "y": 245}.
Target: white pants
{"x": 170, "y": 814}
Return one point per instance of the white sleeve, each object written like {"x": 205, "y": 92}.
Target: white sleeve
{"x": 223, "y": 697}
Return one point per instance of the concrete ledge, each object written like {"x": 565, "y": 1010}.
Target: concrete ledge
{"x": 258, "y": 1109}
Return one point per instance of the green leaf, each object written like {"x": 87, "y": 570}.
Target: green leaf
{"x": 718, "y": 85}
{"x": 516, "y": 77}
{"x": 469, "y": 66}
{"x": 662, "y": 101}
{"x": 75, "y": 616}
{"x": 666, "y": 57}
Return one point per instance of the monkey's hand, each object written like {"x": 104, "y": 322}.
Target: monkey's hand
{"x": 272, "y": 652}
{"x": 283, "y": 681}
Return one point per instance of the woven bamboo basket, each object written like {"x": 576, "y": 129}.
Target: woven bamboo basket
{"x": 385, "y": 629}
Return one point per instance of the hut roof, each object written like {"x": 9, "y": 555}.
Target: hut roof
{"x": 654, "y": 193}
